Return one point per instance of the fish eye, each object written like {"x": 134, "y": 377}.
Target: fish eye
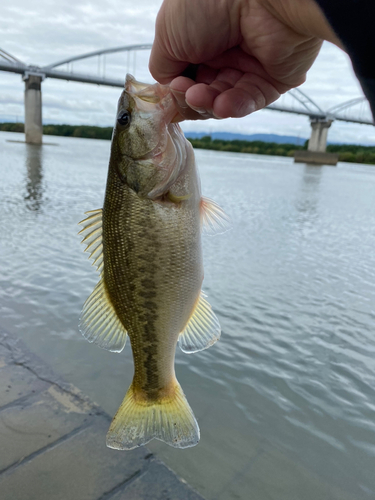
{"x": 123, "y": 118}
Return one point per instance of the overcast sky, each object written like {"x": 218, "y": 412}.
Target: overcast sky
{"x": 43, "y": 31}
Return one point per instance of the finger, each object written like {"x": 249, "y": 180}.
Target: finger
{"x": 226, "y": 79}
{"x": 262, "y": 91}
{"x": 250, "y": 93}
{"x": 238, "y": 59}
{"x": 201, "y": 97}
{"x": 162, "y": 66}
{"x": 231, "y": 94}
{"x": 234, "y": 103}
{"x": 205, "y": 74}
{"x": 179, "y": 86}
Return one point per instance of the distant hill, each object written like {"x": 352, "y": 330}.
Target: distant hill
{"x": 229, "y": 136}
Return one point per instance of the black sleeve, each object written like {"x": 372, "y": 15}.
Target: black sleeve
{"x": 353, "y": 22}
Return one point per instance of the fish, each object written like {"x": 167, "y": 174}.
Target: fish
{"x": 146, "y": 245}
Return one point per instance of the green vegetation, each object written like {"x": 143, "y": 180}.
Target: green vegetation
{"x": 12, "y": 127}
{"x": 347, "y": 152}
{"x": 65, "y": 130}
{"x": 254, "y": 147}
{"x": 353, "y": 153}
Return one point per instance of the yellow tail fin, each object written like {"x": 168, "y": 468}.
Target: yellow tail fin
{"x": 136, "y": 423}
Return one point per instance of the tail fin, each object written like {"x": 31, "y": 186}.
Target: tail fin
{"x": 137, "y": 422}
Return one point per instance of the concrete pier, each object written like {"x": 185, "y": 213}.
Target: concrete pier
{"x": 316, "y": 157}
{"x": 33, "y": 109}
{"x": 52, "y": 442}
{"x": 316, "y": 150}
{"x": 319, "y": 133}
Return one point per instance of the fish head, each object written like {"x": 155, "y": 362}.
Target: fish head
{"x": 150, "y": 149}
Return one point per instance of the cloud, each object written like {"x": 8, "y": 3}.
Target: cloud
{"x": 42, "y": 32}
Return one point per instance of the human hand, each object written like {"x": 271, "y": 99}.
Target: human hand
{"x": 246, "y": 52}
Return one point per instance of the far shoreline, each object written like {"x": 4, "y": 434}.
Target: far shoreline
{"x": 352, "y": 153}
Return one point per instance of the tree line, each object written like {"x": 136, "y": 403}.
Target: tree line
{"x": 86, "y": 131}
{"x": 347, "y": 152}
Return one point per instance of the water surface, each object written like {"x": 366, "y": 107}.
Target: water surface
{"x": 286, "y": 400}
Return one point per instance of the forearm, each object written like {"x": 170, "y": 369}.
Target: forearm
{"x": 304, "y": 16}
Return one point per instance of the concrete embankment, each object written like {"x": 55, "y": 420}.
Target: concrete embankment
{"x": 52, "y": 442}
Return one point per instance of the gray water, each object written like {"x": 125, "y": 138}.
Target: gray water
{"x": 286, "y": 400}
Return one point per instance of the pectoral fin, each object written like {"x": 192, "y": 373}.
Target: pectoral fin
{"x": 214, "y": 219}
{"x": 202, "y": 330}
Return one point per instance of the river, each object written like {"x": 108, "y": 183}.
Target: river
{"x": 286, "y": 399}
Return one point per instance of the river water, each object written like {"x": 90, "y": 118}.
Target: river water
{"x": 286, "y": 400}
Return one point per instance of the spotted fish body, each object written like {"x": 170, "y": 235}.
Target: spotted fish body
{"x": 146, "y": 242}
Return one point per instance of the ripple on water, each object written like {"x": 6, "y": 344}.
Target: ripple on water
{"x": 289, "y": 389}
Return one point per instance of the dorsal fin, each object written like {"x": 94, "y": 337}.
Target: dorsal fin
{"x": 214, "y": 219}
{"x": 202, "y": 330}
{"x": 99, "y": 322}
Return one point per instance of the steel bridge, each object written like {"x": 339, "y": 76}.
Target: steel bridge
{"x": 294, "y": 101}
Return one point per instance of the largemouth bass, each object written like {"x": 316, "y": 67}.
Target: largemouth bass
{"x": 146, "y": 244}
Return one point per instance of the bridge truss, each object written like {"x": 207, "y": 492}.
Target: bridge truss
{"x": 11, "y": 64}
{"x": 299, "y": 101}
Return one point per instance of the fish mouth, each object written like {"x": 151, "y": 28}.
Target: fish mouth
{"x": 161, "y": 97}
{"x": 170, "y": 153}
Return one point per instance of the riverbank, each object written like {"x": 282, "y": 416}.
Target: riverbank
{"x": 53, "y": 441}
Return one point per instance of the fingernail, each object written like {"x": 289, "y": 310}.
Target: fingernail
{"x": 180, "y": 98}
{"x": 247, "y": 108}
{"x": 201, "y": 111}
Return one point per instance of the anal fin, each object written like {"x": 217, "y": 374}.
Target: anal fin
{"x": 202, "y": 330}
{"x": 99, "y": 322}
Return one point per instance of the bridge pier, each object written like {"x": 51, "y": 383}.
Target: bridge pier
{"x": 316, "y": 150}
{"x": 319, "y": 133}
{"x": 33, "y": 109}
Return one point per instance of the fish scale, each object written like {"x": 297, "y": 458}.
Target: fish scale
{"x": 149, "y": 233}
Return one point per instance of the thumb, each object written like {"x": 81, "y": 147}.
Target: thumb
{"x": 164, "y": 67}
